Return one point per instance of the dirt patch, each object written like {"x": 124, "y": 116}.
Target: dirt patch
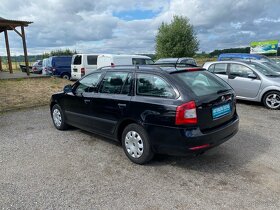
{"x": 23, "y": 93}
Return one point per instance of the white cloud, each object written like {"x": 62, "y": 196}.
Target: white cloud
{"x": 90, "y": 25}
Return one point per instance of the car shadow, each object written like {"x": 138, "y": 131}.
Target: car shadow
{"x": 232, "y": 155}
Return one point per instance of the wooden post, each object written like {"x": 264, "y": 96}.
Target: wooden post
{"x": 25, "y": 50}
{"x": 8, "y": 51}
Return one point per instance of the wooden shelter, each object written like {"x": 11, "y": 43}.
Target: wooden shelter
{"x": 5, "y": 26}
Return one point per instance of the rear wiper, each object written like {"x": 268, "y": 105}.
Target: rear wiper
{"x": 222, "y": 91}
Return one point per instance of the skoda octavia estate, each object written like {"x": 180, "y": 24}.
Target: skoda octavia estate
{"x": 150, "y": 110}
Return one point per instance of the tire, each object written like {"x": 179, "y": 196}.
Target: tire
{"x": 58, "y": 118}
{"x": 271, "y": 100}
{"x": 136, "y": 144}
{"x": 65, "y": 76}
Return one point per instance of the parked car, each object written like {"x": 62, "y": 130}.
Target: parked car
{"x": 46, "y": 67}
{"x": 23, "y": 68}
{"x": 150, "y": 110}
{"x": 243, "y": 56}
{"x": 115, "y": 60}
{"x": 83, "y": 64}
{"x": 270, "y": 65}
{"x": 250, "y": 80}
{"x": 37, "y": 67}
{"x": 184, "y": 60}
{"x": 60, "y": 66}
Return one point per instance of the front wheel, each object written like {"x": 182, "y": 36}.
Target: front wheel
{"x": 272, "y": 100}
{"x": 136, "y": 144}
{"x": 58, "y": 118}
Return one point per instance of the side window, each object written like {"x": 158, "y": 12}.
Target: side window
{"x": 77, "y": 60}
{"x": 40, "y": 63}
{"x": 88, "y": 84}
{"x": 211, "y": 68}
{"x": 240, "y": 70}
{"x": 152, "y": 85}
{"x": 138, "y": 61}
{"x": 127, "y": 85}
{"x": 113, "y": 82}
{"x": 220, "y": 68}
{"x": 92, "y": 59}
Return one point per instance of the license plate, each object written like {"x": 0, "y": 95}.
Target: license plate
{"x": 221, "y": 111}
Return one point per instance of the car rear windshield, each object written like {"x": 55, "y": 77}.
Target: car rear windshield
{"x": 202, "y": 83}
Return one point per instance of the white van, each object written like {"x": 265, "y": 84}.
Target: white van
{"x": 113, "y": 60}
{"x": 83, "y": 64}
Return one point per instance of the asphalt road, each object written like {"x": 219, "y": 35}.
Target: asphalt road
{"x": 43, "y": 168}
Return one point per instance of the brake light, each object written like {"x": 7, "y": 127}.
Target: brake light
{"x": 186, "y": 114}
{"x": 83, "y": 71}
{"x": 200, "y": 147}
{"x": 112, "y": 64}
{"x": 194, "y": 69}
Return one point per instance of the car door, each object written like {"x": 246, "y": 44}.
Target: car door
{"x": 76, "y": 66}
{"x": 78, "y": 104}
{"x": 239, "y": 79}
{"x": 220, "y": 69}
{"x": 113, "y": 101}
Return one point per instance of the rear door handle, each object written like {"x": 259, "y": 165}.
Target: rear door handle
{"x": 87, "y": 101}
{"x": 122, "y": 105}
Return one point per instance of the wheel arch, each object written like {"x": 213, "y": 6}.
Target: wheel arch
{"x": 122, "y": 126}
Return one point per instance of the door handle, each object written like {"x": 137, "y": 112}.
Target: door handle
{"x": 87, "y": 101}
{"x": 122, "y": 105}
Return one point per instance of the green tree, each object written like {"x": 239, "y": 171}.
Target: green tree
{"x": 177, "y": 39}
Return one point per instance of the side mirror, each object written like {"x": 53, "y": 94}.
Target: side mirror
{"x": 67, "y": 89}
{"x": 252, "y": 76}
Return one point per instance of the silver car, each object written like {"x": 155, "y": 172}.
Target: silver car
{"x": 251, "y": 81}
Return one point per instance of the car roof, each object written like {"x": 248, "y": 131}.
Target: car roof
{"x": 167, "y": 60}
{"x": 150, "y": 68}
{"x": 124, "y": 56}
{"x": 240, "y": 55}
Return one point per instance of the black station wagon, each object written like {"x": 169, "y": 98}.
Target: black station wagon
{"x": 150, "y": 109}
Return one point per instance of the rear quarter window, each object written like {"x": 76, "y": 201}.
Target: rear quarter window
{"x": 154, "y": 86}
{"x": 201, "y": 83}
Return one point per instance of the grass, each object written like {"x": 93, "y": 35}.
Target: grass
{"x": 23, "y": 93}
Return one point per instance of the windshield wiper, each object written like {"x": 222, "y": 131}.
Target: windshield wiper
{"x": 272, "y": 75}
{"x": 222, "y": 91}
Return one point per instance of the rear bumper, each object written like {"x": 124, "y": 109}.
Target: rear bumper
{"x": 180, "y": 141}
{"x": 75, "y": 75}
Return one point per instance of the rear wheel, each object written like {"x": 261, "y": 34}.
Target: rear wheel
{"x": 272, "y": 100}
{"x": 65, "y": 76}
{"x": 58, "y": 118}
{"x": 136, "y": 144}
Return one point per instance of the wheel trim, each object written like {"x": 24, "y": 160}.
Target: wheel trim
{"x": 273, "y": 101}
{"x": 134, "y": 144}
{"x": 57, "y": 117}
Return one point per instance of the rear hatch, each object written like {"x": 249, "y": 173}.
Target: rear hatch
{"x": 214, "y": 98}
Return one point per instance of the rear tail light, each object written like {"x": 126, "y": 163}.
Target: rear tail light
{"x": 112, "y": 64}
{"x": 186, "y": 114}
{"x": 200, "y": 147}
{"x": 83, "y": 71}
{"x": 194, "y": 69}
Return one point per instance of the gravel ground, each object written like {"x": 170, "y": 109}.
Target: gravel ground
{"x": 43, "y": 168}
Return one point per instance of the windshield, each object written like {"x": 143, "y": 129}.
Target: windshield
{"x": 202, "y": 82}
{"x": 274, "y": 67}
{"x": 264, "y": 70}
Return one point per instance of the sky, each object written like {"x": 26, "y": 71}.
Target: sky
{"x": 124, "y": 26}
